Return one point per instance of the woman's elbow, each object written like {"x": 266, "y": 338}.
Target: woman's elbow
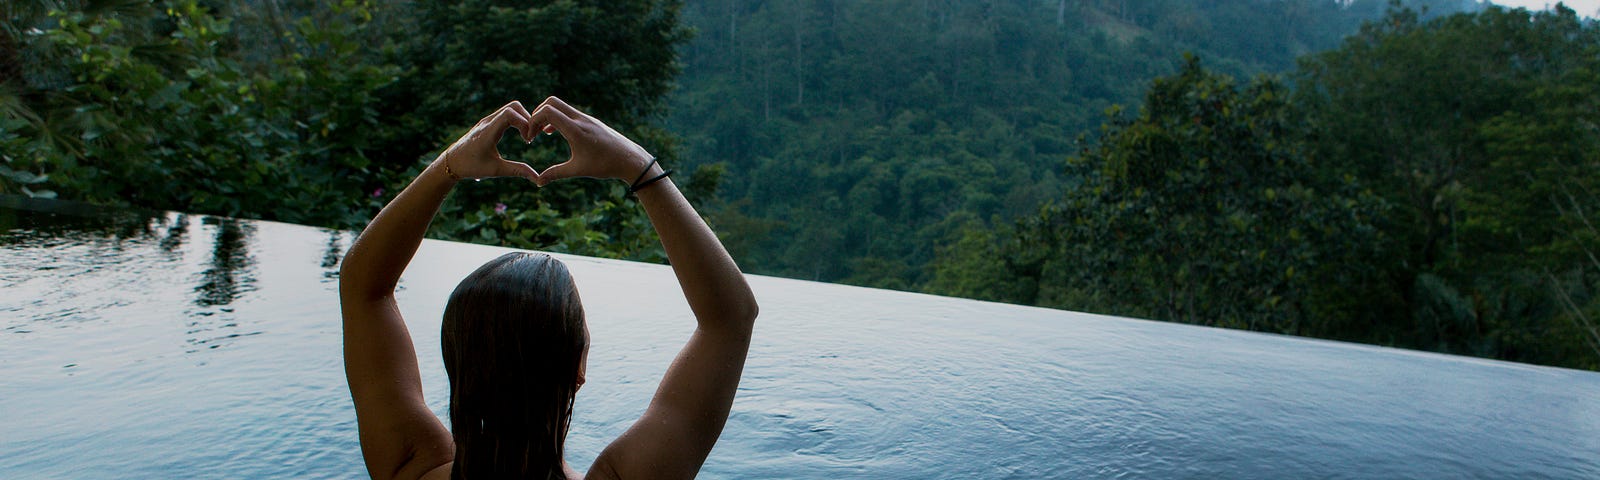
{"x": 737, "y": 316}
{"x": 748, "y": 314}
{"x": 355, "y": 285}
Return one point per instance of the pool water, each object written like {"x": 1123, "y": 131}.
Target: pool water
{"x": 169, "y": 345}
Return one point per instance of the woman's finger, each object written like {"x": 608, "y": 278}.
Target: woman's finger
{"x": 513, "y": 116}
{"x": 516, "y": 105}
{"x": 562, "y": 105}
{"x": 547, "y": 116}
{"x": 557, "y": 172}
{"x": 529, "y": 132}
{"x": 517, "y": 169}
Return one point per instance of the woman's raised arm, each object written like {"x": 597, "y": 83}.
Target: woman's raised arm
{"x": 678, "y": 430}
{"x": 400, "y": 437}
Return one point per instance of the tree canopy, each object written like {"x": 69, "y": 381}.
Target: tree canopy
{"x": 317, "y": 112}
{"x": 1425, "y": 185}
{"x": 1418, "y": 174}
{"x": 870, "y": 131}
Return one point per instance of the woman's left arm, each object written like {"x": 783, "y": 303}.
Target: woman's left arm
{"x": 400, "y": 437}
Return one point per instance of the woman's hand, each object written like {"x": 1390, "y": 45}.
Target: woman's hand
{"x": 597, "y": 150}
{"x": 475, "y": 154}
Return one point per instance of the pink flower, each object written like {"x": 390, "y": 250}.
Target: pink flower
{"x": 499, "y": 209}
{"x": 377, "y": 193}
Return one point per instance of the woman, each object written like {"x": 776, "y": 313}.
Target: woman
{"x": 514, "y": 336}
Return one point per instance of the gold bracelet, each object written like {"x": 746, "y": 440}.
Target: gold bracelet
{"x": 447, "y": 171}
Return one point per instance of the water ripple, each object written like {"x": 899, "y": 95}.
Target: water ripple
{"x": 214, "y": 346}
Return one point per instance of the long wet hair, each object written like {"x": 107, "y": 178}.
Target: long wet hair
{"x": 513, "y": 336}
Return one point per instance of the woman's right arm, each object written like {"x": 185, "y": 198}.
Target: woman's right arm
{"x": 684, "y": 419}
{"x": 400, "y": 436}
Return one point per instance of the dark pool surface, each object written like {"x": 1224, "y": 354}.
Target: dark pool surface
{"x": 182, "y": 346}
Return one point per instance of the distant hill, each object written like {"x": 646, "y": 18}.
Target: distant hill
{"x": 855, "y": 135}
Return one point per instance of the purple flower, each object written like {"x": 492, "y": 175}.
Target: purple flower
{"x": 377, "y": 193}
{"x": 499, "y": 209}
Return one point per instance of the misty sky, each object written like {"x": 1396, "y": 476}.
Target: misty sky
{"x": 1584, "y": 7}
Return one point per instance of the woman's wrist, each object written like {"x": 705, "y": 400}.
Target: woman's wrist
{"x": 640, "y": 163}
{"x": 651, "y": 174}
{"x": 441, "y": 168}
{"x": 640, "y": 171}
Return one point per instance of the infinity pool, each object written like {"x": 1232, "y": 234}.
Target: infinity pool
{"x": 181, "y": 346}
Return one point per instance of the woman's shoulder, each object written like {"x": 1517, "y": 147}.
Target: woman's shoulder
{"x": 442, "y": 472}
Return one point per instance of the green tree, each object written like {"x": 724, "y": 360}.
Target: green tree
{"x": 1528, "y": 242}
{"x": 310, "y": 112}
{"x": 894, "y": 122}
{"x": 148, "y": 104}
{"x": 1203, "y": 208}
{"x": 1478, "y": 129}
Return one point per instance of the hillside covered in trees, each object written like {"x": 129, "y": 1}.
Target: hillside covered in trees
{"x": 858, "y": 135}
{"x": 1419, "y": 173}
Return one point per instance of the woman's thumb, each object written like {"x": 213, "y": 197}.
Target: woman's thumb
{"x": 517, "y": 169}
{"x": 555, "y": 172}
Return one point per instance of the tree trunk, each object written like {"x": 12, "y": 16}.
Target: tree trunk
{"x": 799, "y": 58}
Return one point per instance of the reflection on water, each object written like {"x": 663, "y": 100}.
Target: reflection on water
{"x": 64, "y": 242}
{"x": 331, "y": 256}
{"x": 227, "y": 276}
{"x": 90, "y": 253}
{"x": 229, "y": 273}
{"x": 136, "y": 345}
{"x": 176, "y": 233}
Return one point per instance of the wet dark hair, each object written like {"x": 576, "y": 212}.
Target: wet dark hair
{"x": 513, "y": 336}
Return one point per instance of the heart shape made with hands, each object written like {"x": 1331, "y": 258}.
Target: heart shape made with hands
{"x": 546, "y": 150}
{"x": 593, "y": 149}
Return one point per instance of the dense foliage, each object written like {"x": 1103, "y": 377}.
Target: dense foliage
{"x": 1480, "y": 132}
{"x": 317, "y": 112}
{"x": 1427, "y": 185}
{"x": 130, "y": 102}
{"x": 858, "y": 135}
{"x": 1203, "y": 209}
{"x": 1419, "y": 174}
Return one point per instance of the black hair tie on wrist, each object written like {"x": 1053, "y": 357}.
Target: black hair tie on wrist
{"x": 635, "y": 184}
{"x": 636, "y": 188}
{"x": 639, "y": 185}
